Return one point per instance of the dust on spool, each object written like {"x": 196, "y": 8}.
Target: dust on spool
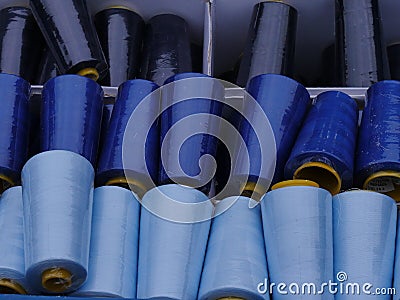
{"x": 5, "y": 183}
{"x": 56, "y": 280}
{"x": 91, "y": 73}
{"x": 294, "y": 182}
{"x": 127, "y": 183}
{"x": 385, "y": 182}
{"x": 8, "y": 286}
{"x": 321, "y": 173}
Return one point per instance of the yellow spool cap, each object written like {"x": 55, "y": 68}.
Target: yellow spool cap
{"x": 8, "y": 286}
{"x": 321, "y": 173}
{"x": 5, "y": 183}
{"x": 294, "y": 182}
{"x": 119, "y": 7}
{"x": 251, "y": 189}
{"x": 128, "y": 184}
{"x": 90, "y": 73}
{"x": 385, "y": 182}
{"x": 56, "y": 280}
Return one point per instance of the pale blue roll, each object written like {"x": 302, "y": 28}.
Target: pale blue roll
{"x": 58, "y": 198}
{"x": 114, "y": 244}
{"x": 298, "y": 237}
{"x": 396, "y": 279}
{"x": 235, "y": 262}
{"x": 12, "y": 260}
{"x": 364, "y": 228}
{"x": 171, "y": 254}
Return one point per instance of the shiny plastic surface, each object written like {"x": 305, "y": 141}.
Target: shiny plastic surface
{"x": 48, "y": 67}
{"x": 70, "y": 34}
{"x": 120, "y": 33}
{"x": 58, "y": 198}
{"x": 72, "y": 108}
{"x": 364, "y": 234}
{"x": 298, "y": 237}
{"x": 167, "y": 48}
{"x": 396, "y": 272}
{"x": 328, "y": 135}
{"x": 171, "y": 253}
{"x": 21, "y": 43}
{"x": 235, "y": 261}
{"x": 361, "y": 51}
{"x": 270, "y": 42}
{"x": 114, "y": 244}
{"x": 393, "y": 52}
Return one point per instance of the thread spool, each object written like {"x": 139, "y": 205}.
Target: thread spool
{"x": 324, "y": 149}
{"x": 364, "y": 234}
{"x": 12, "y": 260}
{"x": 361, "y": 53}
{"x": 138, "y": 171}
{"x": 378, "y": 150}
{"x": 393, "y": 52}
{"x": 120, "y": 32}
{"x": 71, "y": 115}
{"x": 14, "y": 127}
{"x": 184, "y": 147}
{"x": 166, "y": 49}
{"x": 57, "y": 200}
{"x": 298, "y": 237}
{"x": 48, "y": 68}
{"x": 270, "y": 44}
{"x": 236, "y": 246}
{"x": 105, "y": 122}
{"x": 114, "y": 245}
{"x": 175, "y": 266}
{"x": 71, "y": 36}
{"x": 21, "y": 43}
{"x": 285, "y": 117}
{"x": 396, "y": 277}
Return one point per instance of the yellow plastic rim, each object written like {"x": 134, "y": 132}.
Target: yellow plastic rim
{"x": 127, "y": 183}
{"x": 382, "y": 175}
{"x": 326, "y": 176}
{"x": 5, "y": 183}
{"x": 294, "y": 182}
{"x": 91, "y": 73}
{"x": 8, "y": 286}
{"x": 56, "y": 280}
{"x": 119, "y": 7}
{"x": 253, "y": 189}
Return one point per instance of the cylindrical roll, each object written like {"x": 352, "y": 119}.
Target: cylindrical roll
{"x": 188, "y": 99}
{"x": 235, "y": 262}
{"x": 171, "y": 253}
{"x": 72, "y": 109}
{"x": 71, "y": 36}
{"x": 393, "y": 52}
{"x": 361, "y": 51}
{"x": 120, "y": 31}
{"x": 57, "y": 199}
{"x": 285, "y": 117}
{"x": 166, "y": 49}
{"x": 324, "y": 149}
{"x": 105, "y": 122}
{"x": 14, "y": 128}
{"x": 114, "y": 245}
{"x": 12, "y": 259}
{"x": 364, "y": 234}
{"x": 21, "y": 43}
{"x": 48, "y": 68}
{"x": 136, "y": 115}
{"x": 298, "y": 237}
{"x": 396, "y": 271}
{"x": 378, "y": 150}
{"x": 270, "y": 42}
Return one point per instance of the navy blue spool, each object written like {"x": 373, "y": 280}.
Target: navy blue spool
{"x": 71, "y": 115}
{"x": 324, "y": 149}
{"x": 197, "y": 145}
{"x": 111, "y": 165}
{"x": 285, "y": 103}
{"x": 105, "y": 122}
{"x": 14, "y": 128}
{"x": 393, "y": 52}
{"x": 378, "y": 150}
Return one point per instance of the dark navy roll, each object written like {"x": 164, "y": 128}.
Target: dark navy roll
{"x": 393, "y": 52}
{"x": 325, "y": 147}
{"x": 105, "y": 122}
{"x": 120, "y": 32}
{"x": 167, "y": 48}
{"x": 138, "y": 169}
{"x": 14, "y": 128}
{"x": 21, "y": 43}
{"x": 189, "y": 129}
{"x": 285, "y": 103}
{"x": 72, "y": 109}
{"x": 197, "y": 57}
{"x": 270, "y": 42}
{"x": 361, "y": 51}
{"x": 71, "y": 36}
{"x": 378, "y": 150}
{"x": 48, "y": 67}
